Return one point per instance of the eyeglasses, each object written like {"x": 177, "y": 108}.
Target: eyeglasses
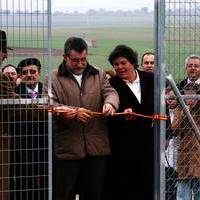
{"x": 149, "y": 62}
{"x": 77, "y": 60}
{"x": 31, "y": 71}
{"x": 193, "y": 65}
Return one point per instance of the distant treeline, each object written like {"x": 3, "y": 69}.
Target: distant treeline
{"x": 92, "y": 18}
{"x": 104, "y": 12}
{"x": 98, "y": 12}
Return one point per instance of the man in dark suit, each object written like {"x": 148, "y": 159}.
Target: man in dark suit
{"x": 29, "y": 71}
{"x": 130, "y": 168}
{"x": 29, "y": 155}
{"x": 192, "y": 66}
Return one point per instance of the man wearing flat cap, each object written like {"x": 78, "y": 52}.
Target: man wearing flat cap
{"x": 30, "y": 141}
{"x": 29, "y": 71}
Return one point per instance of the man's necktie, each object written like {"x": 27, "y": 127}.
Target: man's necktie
{"x": 33, "y": 94}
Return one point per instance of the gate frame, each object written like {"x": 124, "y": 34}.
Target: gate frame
{"x": 159, "y": 100}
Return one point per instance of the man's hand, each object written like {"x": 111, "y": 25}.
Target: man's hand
{"x": 70, "y": 113}
{"x": 108, "y": 109}
{"x": 84, "y": 115}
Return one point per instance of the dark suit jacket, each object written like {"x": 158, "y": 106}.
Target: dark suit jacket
{"x": 21, "y": 90}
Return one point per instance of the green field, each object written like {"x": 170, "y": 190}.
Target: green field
{"x": 140, "y": 39}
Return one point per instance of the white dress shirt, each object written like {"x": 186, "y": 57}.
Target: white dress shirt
{"x": 135, "y": 87}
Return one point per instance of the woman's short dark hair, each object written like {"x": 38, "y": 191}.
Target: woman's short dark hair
{"x": 124, "y": 51}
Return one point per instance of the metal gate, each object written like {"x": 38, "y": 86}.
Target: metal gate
{"x": 25, "y": 138}
{"x": 26, "y": 125}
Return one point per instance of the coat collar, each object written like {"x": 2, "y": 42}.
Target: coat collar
{"x": 63, "y": 69}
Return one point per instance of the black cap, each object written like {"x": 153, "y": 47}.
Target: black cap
{"x": 3, "y": 42}
{"x": 27, "y": 62}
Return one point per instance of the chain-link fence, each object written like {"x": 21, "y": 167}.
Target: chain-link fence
{"x": 182, "y": 58}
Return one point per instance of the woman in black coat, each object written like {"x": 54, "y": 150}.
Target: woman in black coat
{"x": 130, "y": 168}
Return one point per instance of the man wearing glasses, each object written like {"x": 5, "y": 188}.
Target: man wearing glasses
{"x": 192, "y": 66}
{"x": 29, "y": 71}
{"x": 147, "y": 62}
{"x": 81, "y": 139}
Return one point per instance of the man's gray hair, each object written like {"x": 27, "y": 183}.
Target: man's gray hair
{"x": 192, "y": 56}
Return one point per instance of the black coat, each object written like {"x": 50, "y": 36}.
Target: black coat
{"x": 132, "y": 143}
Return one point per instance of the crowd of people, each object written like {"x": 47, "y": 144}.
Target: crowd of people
{"x": 101, "y": 151}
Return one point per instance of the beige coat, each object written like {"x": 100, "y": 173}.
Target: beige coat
{"x": 188, "y": 165}
{"x": 74, "y": 139}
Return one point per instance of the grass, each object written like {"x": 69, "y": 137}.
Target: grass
{"x": 140, "y": 39}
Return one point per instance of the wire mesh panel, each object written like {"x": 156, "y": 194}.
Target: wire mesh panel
{"x": 182, "y": 57}
{"x": 24, "y": 61}
{"x": 182, "y": 31}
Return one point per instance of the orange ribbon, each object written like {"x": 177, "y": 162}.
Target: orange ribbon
{"x": 58, "y": 109}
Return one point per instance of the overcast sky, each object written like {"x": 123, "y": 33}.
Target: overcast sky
{"x": 79, "y": 5}
{"x": 83, "y": 5}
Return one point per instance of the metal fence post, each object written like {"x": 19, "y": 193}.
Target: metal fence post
{"x": 159, "y": 101}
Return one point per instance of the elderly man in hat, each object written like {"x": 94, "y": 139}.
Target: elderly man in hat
{"x": 29, "y": 141}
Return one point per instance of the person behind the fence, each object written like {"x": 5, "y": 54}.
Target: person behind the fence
{"x": 188, "y": 161}
{"x": 147, "y": 62}
{"x": 29, "y": 71}
{"x": 171, "y": 148}
{"x": 11, "y": 72}
{"x": 29, "y": 156}
{"x": 132, "y": 143}
{"x": 81, "y": 140}
{"x": 192, "y": 67}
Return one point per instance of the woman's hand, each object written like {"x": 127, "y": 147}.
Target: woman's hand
{"x": 129, "y": 115}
